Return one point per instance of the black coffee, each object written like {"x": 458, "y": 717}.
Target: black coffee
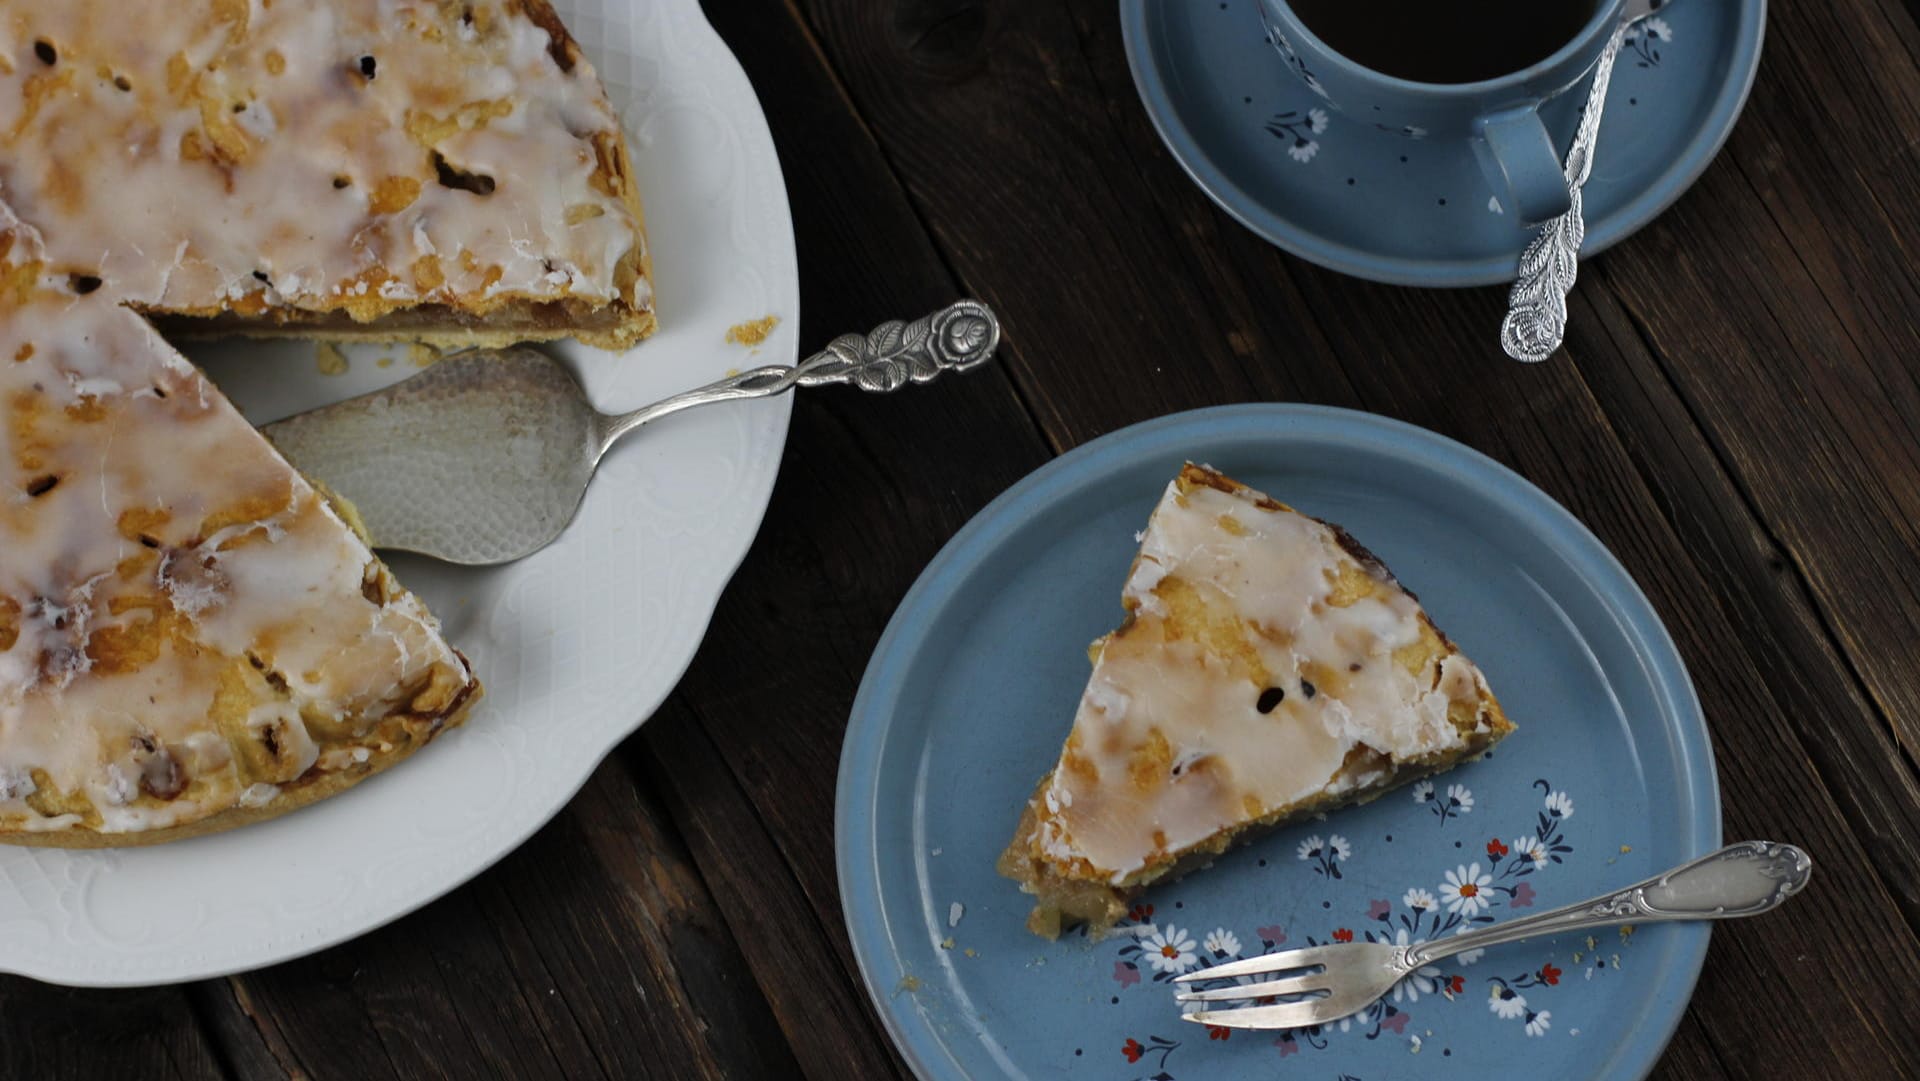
{"x": 1445, "y": 41}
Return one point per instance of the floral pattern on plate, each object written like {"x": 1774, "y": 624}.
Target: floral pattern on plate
{"x": 1155, "y": 945}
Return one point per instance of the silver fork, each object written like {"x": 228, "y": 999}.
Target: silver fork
{"x": 1333, "y": 981}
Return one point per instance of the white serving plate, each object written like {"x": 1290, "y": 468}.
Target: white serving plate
{"x": 576, "y": 645}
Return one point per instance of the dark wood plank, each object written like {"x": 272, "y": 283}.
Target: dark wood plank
{"x": 61, "y": 1032}
{"x": 1768, "y": 605}
{"x": 1804, "y": 373}
{"x": 802, "y": 964}
{"x": 594, "y": 951}
{"x": 250, "y": 1044}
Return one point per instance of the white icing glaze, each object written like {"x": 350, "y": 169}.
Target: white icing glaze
{"x": 209, "y": 181}
{"x": 1118, "y": 800}
{"x": 282, "y": 584}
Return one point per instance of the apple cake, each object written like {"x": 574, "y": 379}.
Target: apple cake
{"x": 1269, "y": 668}
{"x": 191, "y": 637}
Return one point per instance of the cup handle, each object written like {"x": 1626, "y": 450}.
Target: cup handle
{"x": 1518, "y": 156}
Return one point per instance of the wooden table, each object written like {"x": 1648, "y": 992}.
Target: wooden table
{"x": 1737, "y": 415}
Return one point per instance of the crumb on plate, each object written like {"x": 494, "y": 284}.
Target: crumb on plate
{"x": 753, "y": 331}
{"x": 329, "y": 359}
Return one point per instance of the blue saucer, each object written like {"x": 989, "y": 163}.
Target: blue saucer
{"x": 1335, "y": 190}
{"x": 971, "y": 690}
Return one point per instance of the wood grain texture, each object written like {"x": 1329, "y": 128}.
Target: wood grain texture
{"x": 1737, "y": 415}
{"x": 594, "y": 951}
{"x": 59, "y": 1032}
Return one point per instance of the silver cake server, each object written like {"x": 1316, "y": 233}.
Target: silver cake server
{"x": 484, "y": 457}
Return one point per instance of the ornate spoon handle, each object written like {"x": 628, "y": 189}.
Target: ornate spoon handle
{"x": 1536, "y": 321}
{"x": 1742, "y": 879}
{"x": 960, "y": 336}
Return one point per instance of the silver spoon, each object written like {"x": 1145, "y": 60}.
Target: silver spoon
{"x": 1536, "y": 321}
{"x": 484, "y": 457}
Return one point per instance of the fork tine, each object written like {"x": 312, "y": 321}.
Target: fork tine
{"x": 1313, "y": 981}
{"x": 1266, "y": 964}
{"x": 1285, "y": 1015}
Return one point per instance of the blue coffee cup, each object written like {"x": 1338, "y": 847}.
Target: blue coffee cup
{"x": 1499, "y": 118}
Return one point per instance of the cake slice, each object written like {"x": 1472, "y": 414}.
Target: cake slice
{"x": 1269, "y": 668}
{"x": 190, "y": 637}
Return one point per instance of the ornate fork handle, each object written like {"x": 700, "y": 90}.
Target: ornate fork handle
{"x": 958, "y": 337}
{"x": 1742, "y": 879}
{"x": 1536, "y": 321}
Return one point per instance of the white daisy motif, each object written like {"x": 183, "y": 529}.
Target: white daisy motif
{"x": 1423, "y": 791}
{"x": 1463, "y": 796}
{"x": 1424, "y": 980}
{"x": 1506, "y": 1003}
{"x": 1559, "y": 804}
{"x": 1418, "y": 899}
{"x": 1170, "y": 950}
{"x": 1310, "y": 848}
{"x": 1465, "y": 890}
{"x": 1221, "y": 941}
{"x": 1468, "y": 957}
{"x": 1658, "y": 30}
{"x": 1532, "y": 849}
{"x": 1538, "y": 1024}
{"x": 1303, "y": 150}
{"x": 1316, "y": 120}
{"x": 1338, "y": 844}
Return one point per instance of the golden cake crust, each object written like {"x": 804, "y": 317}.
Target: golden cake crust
{"x": 1269, "y": 668}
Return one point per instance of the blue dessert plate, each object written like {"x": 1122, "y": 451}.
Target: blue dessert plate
{"x": 1609, "y": 779}
{"x": 1377, "y": 204}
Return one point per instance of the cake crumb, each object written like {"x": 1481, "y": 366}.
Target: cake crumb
{"x": 753, "y": 331}
{"x": 1624, "y": 849}
{"x": 970, "y": 952}
{"x": 936, "y": 852}
{"x": 1626, "y": 931}
{"x": 909, "y": 984}
{"x": 422, "y": 354}
{"x": 954, "y": 912}
{"x": 947, "y": 943}
{"x": 329, "y": 359}
{"x": 384, "y": 362}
